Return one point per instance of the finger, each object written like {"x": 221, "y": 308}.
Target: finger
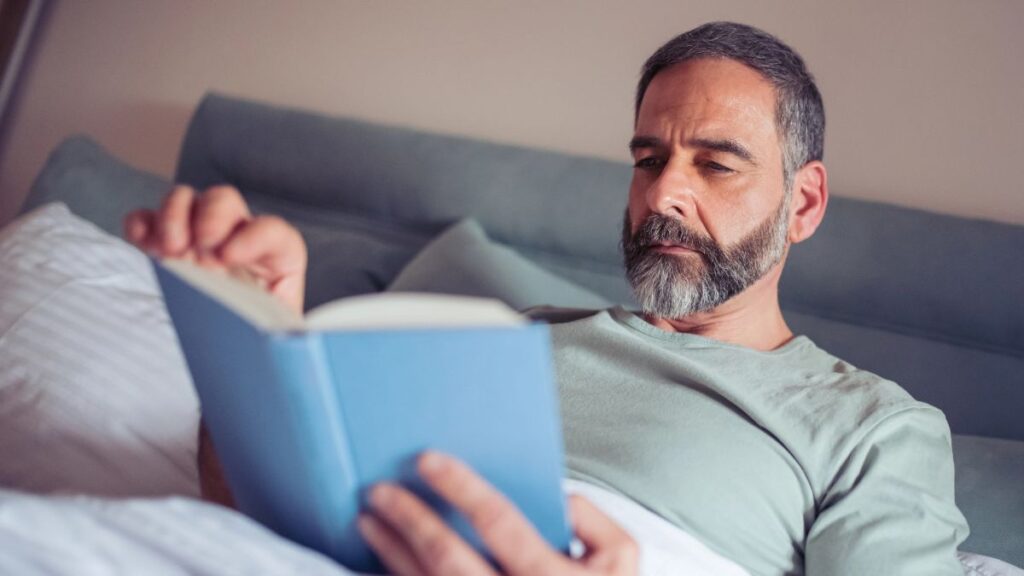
{"x": 591, "y": 525}
{"x": 437, "y": 548}
{"x": 393, "y": 552}
{"x": 173, "y": 223}
{"x": 268, "y": 241}
{"x": 509, "y": 536}
{"x": 608, "y": 546}
{"x": 216, "y": 215}
{"x": 275, "y": 251}
{"x": 140, "y": 228}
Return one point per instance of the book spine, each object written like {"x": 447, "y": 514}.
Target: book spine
{"x": 331, "y": 477}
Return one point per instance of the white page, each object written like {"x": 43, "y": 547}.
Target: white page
{"x": 243, "y": 298}
{"x": 392, "y": 310}
{"x": 411, "y": 310}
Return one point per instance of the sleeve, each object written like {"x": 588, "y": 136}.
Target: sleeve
{"x": 890, "y": 509}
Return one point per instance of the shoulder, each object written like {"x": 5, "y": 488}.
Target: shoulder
{"x": 847, "y": 411}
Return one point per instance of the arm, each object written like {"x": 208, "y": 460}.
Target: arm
{"x": 890, "y": 510}
{"x": 213, "y": 486}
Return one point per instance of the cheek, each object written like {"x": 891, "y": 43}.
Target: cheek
{"x": 636, "y": 205}
{"x": 737, "y": 219}
{"x": 725, "y": 218}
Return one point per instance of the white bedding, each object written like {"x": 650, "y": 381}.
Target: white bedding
{"x": 90, "y": 536}
{"x": 95, "y": 397}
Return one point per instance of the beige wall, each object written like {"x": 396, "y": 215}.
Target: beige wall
{"x": 923, "y": 97}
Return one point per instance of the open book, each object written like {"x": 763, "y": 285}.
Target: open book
{"x": 307, "y": 413}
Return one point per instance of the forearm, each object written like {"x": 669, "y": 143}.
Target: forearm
{"x": 212, "y": 483}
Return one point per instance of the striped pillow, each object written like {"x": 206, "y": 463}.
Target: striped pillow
{"x": 94, "y": 394}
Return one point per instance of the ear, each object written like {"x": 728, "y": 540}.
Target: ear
{"x": 810, "y": 197}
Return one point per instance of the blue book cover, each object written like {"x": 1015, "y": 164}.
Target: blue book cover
{"x": 306, "y": 419}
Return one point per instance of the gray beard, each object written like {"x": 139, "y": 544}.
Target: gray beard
{"x": 669, "y": 286}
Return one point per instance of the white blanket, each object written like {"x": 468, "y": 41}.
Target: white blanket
{"x": 89, "y": 536}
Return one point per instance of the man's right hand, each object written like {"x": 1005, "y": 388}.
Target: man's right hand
{"x": 216, "y": 230}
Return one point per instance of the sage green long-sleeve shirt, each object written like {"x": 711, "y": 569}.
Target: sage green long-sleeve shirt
{"x": 787, "y": 462}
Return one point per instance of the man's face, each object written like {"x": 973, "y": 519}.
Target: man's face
{"x": 708, "y": 213}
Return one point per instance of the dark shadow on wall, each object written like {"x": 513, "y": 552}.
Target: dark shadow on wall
{"x": 23, "y": 26}
{"x": 23, "y": 29}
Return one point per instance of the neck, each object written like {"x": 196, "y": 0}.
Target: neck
{"x": 752, "y": 318}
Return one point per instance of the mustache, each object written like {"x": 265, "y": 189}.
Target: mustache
{"x": 658, "y": 229}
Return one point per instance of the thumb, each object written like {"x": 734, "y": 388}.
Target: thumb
{"x": 609, "y": 547}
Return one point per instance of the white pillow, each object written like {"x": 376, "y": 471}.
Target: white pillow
{"x": 95, "y": 396}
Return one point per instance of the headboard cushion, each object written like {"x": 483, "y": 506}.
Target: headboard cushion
{"x": 940, "y": 277}
{"x": 930, "y": 301}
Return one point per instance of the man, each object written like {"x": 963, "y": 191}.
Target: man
{"x": 704, "y": 408}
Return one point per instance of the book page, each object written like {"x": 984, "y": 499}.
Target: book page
{"x": 246, "y": 299}
{"x": 398, "y": 310}
{"x": 388, "y": 310}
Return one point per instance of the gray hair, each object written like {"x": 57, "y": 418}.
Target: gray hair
{"x": 799, "y": 112}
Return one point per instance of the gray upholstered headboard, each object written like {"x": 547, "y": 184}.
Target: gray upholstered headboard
{"x": 931, "y": 301}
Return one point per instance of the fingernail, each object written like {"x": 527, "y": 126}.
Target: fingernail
{"x": 432, "y": 463}
{"x": 170, "y": 246}
{"x": 367, "y": 524}
{"x": 381, "y": 495}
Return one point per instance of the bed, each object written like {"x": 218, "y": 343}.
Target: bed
{"x": 928, "y": 300}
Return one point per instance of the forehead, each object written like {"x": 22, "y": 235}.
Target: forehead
{"x": 718, "y": 95}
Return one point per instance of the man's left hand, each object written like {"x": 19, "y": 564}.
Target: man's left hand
{"x": 411, "y": 540}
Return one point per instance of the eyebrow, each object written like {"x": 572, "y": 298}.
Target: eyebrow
{"x": 726, "y": 145}
{"x": 639, "y": 142}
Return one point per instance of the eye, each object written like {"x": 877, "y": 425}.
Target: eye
{"x": 717, "y": 168}
{"x": 648, "y": 163}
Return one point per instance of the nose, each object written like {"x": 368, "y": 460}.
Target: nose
{"x": 672, "y": 193}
